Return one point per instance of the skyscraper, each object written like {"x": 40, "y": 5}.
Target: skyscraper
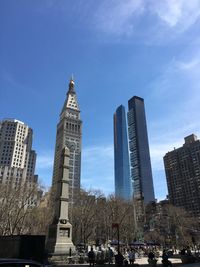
{"x": 17, "y": 159}
{"x": 69, "y": 134}
{"x": 123, "y": 185}
{"x": 182, "y": 168}
{"x": 141, "y": 173}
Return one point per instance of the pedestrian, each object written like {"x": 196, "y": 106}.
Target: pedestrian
{"x": 119, "y": 259}
{"x": 91, "y": 257}
{"x": 165, "y": 259}
{"x": 110, "y": 256}
{"x": 151, "y": 259}
{"x": 131, "y": 256}
{"x": 151, "y": 255}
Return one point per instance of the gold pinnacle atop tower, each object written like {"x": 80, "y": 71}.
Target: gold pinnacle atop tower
{"x": 71, "y": 85}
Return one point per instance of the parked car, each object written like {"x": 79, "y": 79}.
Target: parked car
{"x": 19, "y": 263}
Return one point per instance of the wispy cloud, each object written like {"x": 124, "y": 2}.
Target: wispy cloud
{"x": 97, "y": 168}
{"x": 190, "y": 65}
{"x": 141, "y": 18}
{"x": 158, "y": 150}
{"x": 128, "y": 19}
{"x": 176, "y": 94}
{"x": 8, "y": 77}
{"x": 44, "y": 167}
{"x": 116, "y": 16}
{"x": 179, "y": 82}
{"x": 179, "y": 14}
{"x": 45, "y": 160}
{"x": 14, "y": 84}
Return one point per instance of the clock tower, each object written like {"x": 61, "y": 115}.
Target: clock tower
{"x": 69, "y": 134}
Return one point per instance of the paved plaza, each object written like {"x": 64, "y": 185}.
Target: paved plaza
{"x": 143, "y": 261}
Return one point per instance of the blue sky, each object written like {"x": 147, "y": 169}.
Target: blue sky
{"x": 116, "y": 49}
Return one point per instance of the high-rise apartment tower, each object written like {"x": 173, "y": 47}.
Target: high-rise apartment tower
{"x": 123, "y": 185}
{"x": 182, "y": 168}
{"x": 69, "y": 134}
{"x": 141, "y": 172}
{"x": 17, "y": 159}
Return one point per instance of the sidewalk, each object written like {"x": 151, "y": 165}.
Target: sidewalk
{"x": 140, "y": 262}
{"x": 175, "y": 262}
{"x": 143, "y": 262}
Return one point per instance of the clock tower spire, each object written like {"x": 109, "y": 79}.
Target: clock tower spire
{"x": 69, "y": 134}
{"x": 71, "y": 101}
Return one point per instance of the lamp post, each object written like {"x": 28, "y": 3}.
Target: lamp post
{"x": 116, "y": 225}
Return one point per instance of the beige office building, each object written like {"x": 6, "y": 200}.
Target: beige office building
{"x": 17, "y": 159}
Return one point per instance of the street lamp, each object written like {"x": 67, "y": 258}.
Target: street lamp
{"x": 116, "y": 225}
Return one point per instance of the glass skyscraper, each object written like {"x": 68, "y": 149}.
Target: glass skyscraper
{"x": 123, "y": 186}
{"x": 141, "y": 173}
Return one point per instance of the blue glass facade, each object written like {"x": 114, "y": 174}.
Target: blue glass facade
{"x": 123, "y": 186}
{"x": 141, "y": 173}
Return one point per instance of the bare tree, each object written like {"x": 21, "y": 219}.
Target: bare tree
{"x": 170, "y": 225}
{"x": 93, "y": 216}
{"x": 16, "y": 205}
{"x": 84, "y": 216}
{"x": 41, "y": 216}
{"x": 122, "y": 213}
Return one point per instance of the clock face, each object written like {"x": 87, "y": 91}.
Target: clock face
{"x": 71, "y": 115}
{"x": 70, "y": 145}
{"x": 67, "y": 143}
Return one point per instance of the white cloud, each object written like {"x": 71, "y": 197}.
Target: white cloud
{"x": 149, "y": 19}
{"x": 45, "y": 160}
{"x": 176, "y": 96}
{"x": 44, "y": 167}
{"x": 194, "y": 63}
{"x": 163, "y": 141}
{"x": 8, "y": 77}
{"x": 15, "y": 85}
{"x": 190, "y": 67}
{"x": 158, "y": 150}
{"x": 116, "y": 16}
{"x": 97, "y": 168}
{"x": 179, "y": 81}
{"x": 169, "y": 11}
{"x": 177, "y": 13}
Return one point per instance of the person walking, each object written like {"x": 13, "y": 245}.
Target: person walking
{"x": 110, "y": 256}
{"x": 151, "y": 259}
{"x": 131, "y": 256}
{"x": 119, "y": 259}
{"x": 165, "y": 259}
{"x": 91, "y": 257}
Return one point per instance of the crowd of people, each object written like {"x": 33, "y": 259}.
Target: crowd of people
{"x": 127, "y": 256}
{"x": 112, "y": 256}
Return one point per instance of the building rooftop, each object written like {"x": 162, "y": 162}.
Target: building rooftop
{"x": 12, "y": 120}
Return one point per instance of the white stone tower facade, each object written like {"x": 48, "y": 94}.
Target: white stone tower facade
{"x": 17, "y": 159}
{"x": 69, "y": 134}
